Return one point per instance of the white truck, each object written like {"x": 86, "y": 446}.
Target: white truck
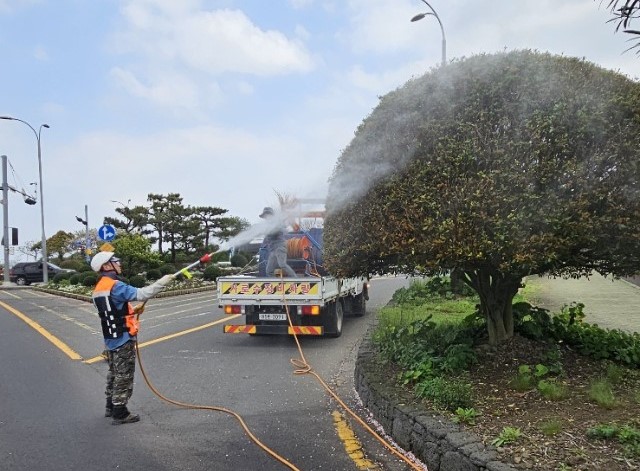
{"x": 313, "y": 303}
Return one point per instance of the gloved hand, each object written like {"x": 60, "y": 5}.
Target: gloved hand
{"x": 139, "y": 309}
{"x": 165, "y": 280}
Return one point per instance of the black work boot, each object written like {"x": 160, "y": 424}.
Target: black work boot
{"x": 108, "y": 410}
{"x": 121, "y": 415}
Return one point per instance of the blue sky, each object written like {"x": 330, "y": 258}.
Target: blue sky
{"x": 228, "y": 101}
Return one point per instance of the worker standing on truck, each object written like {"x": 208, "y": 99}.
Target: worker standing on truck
{"x": 119, "y": 328}
{"x": 276, "y": 244}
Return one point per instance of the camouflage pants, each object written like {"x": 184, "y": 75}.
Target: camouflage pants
{"x": 122, "y": 365}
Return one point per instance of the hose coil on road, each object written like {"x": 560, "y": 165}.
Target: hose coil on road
{"x": 302, "y": 367}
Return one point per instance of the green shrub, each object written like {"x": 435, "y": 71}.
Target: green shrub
{"x": 615, "y": 373}
{"x": 167, "y": 269}
{"x": 458, "y": 357}
{"x": 422, "y": 290}
{"x": 238, "y": 260}
{"x": 601, "y": 392}
{"x": 603, "y": 431}
{"x": 569, "y": 327}
{"x": 524, "y": 380}
{"x": 551, "y": 427}
{"x": 627, "y": 435}
{"x": 211, "y": 273}
{"x": 530, "y": 321}
{"x": 418, "y": 373}
{"x": 154, "y": 274}
{"x": 90, "y": 279}
{"x": 74, "y": 264}
{"x": 138, "y": 281}
{"x": 86, "y": 274}
{"x": 74, "y": 279}
{"x": 552, "y": 390}
{"x": 58, "y": 277}
{"x": 446, "y": 393}
{"x": 466, "y": 416}
{"x": 507, "y": 435}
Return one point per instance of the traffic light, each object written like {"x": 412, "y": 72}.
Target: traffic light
{"x": 14, "y": 236}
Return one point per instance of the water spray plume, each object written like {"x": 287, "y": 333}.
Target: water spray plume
{"x": 264, "y": 227}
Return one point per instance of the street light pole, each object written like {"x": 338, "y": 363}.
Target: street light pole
{"x": 85, "y": 222}
{"x": 444, "y": 40}
{"x": 45, "y": 257}
{"x": 5, "y": 219}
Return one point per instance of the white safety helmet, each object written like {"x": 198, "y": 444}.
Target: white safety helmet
{"x": 100, "y": 259}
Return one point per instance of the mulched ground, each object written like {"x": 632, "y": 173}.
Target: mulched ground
{"x": 501, "y": 405}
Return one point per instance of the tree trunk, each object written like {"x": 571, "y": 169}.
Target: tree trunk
{"x": 496, "y": 291}
{"x": 457, "y": 281}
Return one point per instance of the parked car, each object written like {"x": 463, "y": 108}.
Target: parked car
{"x": 26, "y": 273}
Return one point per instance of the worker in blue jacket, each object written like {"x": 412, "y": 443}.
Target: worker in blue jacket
{"x": 112, "y": 297}
{"x": 276, "y": 243}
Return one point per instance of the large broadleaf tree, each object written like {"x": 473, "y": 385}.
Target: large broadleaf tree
{"x": 496, "y": 166}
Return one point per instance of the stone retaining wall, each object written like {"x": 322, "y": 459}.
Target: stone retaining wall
{"x": 439, "y": 443}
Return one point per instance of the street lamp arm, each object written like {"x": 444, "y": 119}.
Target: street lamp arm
{"x": 44, "y": 237}
{"x": 437, "y": 18}
{"x": 11, "y": 118}
{"x": 444, "y": 39}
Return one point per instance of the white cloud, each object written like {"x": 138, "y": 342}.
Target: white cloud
{"x": 208, "y": 165}
{"x": 213, "y": 42}
{"x": 164, "y": 42}
{"x": 166, "y": 90}
{"x": 227, "y": 41}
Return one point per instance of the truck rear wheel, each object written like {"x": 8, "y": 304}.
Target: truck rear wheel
{"x": 334, "y": 315}
{"x": 359, "y": 305}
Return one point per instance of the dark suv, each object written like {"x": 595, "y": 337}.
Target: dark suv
{"x": 31, "y": 272}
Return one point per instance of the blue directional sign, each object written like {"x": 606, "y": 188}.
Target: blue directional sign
{"x": 107, "y": 232}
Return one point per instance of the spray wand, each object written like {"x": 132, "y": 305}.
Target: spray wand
{"x": 206, "y": 258}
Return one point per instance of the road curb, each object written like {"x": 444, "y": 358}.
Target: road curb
{"x": 434, "y": 439}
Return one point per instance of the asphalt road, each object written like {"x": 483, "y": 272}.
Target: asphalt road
{"x": 52, "y": 400}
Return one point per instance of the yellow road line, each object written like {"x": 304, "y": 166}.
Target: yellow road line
{"x": 351, "y": 443}
{"x": 171, "y": 336}
{"x": 45, "y": 333}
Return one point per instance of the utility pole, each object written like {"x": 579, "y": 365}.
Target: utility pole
{"x": 85, "y": 221}
{"x": 86, "y": 243}
{"x": 5, "y": 219}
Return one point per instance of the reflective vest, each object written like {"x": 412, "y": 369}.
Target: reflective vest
{"x": 114, "y": 321}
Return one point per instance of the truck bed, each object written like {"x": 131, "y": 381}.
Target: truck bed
{"x": 250, "y": 290}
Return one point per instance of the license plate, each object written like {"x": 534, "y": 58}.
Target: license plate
{"x": 272, "y": 317}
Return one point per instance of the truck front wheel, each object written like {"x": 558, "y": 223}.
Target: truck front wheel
{"x": 334, "y": 315}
